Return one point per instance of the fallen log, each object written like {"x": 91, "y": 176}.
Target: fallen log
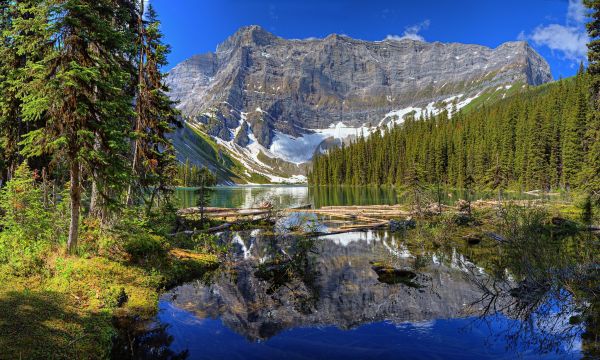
{"x": 207, "y": 210}
{"x": 182, "y": 254}
{"x": 237, "y": 213}
{"x": 372, "y": 215}
{"x": 336, "y": 231}
{"x": 218, "y": 210}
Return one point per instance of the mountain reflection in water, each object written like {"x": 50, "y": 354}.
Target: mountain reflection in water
{"x": 298, "y": 298}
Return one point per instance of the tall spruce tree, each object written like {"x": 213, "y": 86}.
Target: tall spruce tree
{"x": 77, "y": 89}
{"x": 19, "y": 43}
{"x": 153, "y": 159}
{"x": 573, "y": 151}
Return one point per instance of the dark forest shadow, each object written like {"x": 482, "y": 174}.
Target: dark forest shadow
{"x": 46, "y": 325}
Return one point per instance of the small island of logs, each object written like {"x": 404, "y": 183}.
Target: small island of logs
{"x": 338, "y": 219}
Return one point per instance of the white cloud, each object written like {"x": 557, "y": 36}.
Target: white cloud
{"x": 569, "y": 40}
{"x": 576, "y": 13}
{"x": 411, "y": 32}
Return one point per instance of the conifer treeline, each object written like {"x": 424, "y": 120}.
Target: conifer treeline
{"x": 82, "y": 101}
{"x": 543, "y": 138}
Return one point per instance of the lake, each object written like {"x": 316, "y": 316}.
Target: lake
{"x": 288, "y": 196}
{"x": 282, "y": 297}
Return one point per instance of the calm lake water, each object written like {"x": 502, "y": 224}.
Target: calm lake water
{"x": 287, "y": 196}
{"x": 280, "y": 297}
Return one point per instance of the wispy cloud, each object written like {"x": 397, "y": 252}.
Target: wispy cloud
{"x": 576, "y": 13}
{"x": 412, "y": 32}
{"x": 569, "y": 40}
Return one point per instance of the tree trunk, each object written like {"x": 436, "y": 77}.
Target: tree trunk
{"x": 75, "y": 192}
{"x": 95, "y": 206}
{"x": 94, "y": 199}
{"x": 138, "y": 120}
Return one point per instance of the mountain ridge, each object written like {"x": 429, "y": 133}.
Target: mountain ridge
{"x": 262, "y": 96}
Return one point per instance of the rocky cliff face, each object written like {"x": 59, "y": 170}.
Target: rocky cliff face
{"x": 288, "y": 96}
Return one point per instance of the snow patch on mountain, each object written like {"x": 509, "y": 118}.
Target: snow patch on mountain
{"x": 301, "y": 149}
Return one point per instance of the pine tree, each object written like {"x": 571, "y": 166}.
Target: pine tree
{"x": 206, "y": 179}
{"x": 153, "y": 160}
{"x": 19, "y": 43}
{"x": 573, "y": 139}
{"x": 537, "y": 165}
{"x": 77, "y": 89}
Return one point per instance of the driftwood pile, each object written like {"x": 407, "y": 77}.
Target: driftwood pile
{"x": 366, "y": 213}
{"x": 356, "y": 218}
{"x": 346, "y": 218}
{"x": 229, "y": 216}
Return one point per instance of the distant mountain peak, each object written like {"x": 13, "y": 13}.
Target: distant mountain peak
{"x": 262, "y": 97}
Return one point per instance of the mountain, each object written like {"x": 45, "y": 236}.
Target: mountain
{"x": 271, "y": 103}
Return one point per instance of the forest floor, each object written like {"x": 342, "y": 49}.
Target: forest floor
{"x": 68, "y": 312}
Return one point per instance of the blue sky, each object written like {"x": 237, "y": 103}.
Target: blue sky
{"x": 555, "y": 28}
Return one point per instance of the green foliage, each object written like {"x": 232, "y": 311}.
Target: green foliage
{"x": 587, "y": 210}
{"x": 522, "y": 224}
{"x": 590, "y": 176}
{"x": 114, "y": 297}
{"x": 142, "y": 246}
{"x": 27, "y": 227}
{"x": 201, "y": 243}
{"x": 535, "y": 139}
{"x": 137, "y": 236}
{"x": 153, "y": 160}
{"x": 204, "y": 192}
{"x": 189, "y": 175}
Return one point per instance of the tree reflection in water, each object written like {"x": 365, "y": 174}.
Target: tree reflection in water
{"x": 293, "y": 270}
{"x": 140, "y": 340}
{"x": 549, "y": 280}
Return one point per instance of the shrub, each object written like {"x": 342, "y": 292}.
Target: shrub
{"x": 523, "y": 223}
{"x": 142, "y": 246}
{"x": 27, "y": 226}
{"x": 135, "y": 234}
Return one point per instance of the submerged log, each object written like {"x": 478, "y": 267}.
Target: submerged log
{"x": 593, "y": 228}
{"x": 402, "y": 225}
{"x": 183, "y": 254}
{"x": 344, "y": 229}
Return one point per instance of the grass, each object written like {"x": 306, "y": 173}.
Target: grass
{"x": 68, "y": 311}
{"x": 42, "y": 324}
